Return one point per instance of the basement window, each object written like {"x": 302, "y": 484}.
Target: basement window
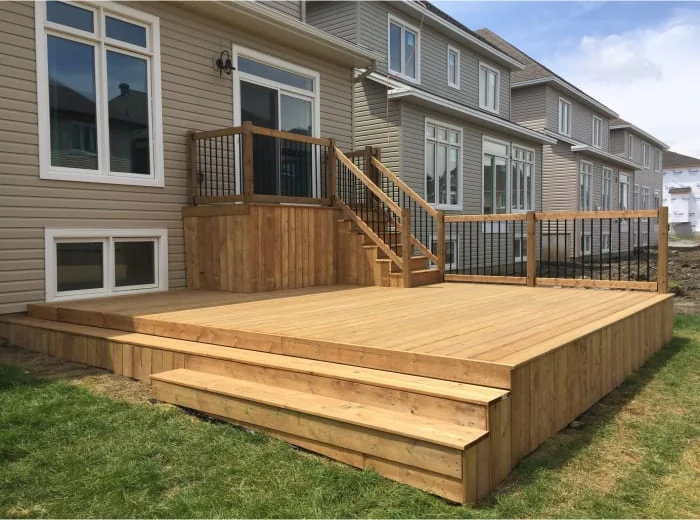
{"x": 87, "y": 263}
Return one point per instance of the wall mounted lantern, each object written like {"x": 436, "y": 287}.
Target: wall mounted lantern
{"x": 224, "y": 63}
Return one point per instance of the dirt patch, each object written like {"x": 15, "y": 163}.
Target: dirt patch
{"x": 98, "y": 380}
{"x": 684, "y": 277}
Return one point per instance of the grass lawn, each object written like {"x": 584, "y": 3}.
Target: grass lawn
{"x": 67, "y": 452}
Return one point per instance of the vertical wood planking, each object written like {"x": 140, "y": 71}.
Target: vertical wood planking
{"x": 662, "y": 259}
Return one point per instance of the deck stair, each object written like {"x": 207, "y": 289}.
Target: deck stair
{"x": 448, "y": 438}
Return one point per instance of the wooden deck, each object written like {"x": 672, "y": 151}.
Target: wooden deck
{"x": 551, "y": 352}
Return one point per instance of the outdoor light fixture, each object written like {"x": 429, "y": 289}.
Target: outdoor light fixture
{"x": 224, "y": 63}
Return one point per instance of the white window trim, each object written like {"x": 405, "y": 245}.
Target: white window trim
{"x": 636, "y": 196}
{"x": 630, "y": 146}
{"x": 46, "y": 171}
{"x": 401, "y": 73}
{"x": 107, "y": 236}
{"x": 497, "y": 103}
{"x": 627, "y": 189}
{"x": 459, "y": 205}
{"x": 565, "y": 101}
{"x": 452, "y": 50}
{"x": 599, "y": 144}
{"x": 646, "y": 157}
{"x": 590, "y": 183}
{"x": 607, "y": 178}
{"x": 523, "y": 252}
{"x": 510, "y": 177}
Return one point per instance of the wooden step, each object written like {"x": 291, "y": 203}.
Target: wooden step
{"x": 418, "y": 277}
{"x": 418, "y": 263}
{"x": 448, "y": 457}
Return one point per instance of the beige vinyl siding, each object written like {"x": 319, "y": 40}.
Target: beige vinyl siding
{"x": 337, "y": 18}
{"x": 288, "y": 7}
{"x": 377, "y": 122}
{"x": 373, "y": 31}
{"x": 528, "y": 106}
{"x": 194, "y": 97}
{"x": 581, "y": 118}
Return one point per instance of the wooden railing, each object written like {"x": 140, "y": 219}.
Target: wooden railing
{"x": 604, "y": 249}
{"x": 249, "y": 163}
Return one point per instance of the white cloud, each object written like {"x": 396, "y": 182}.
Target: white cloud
{"x": 650, "y": 76}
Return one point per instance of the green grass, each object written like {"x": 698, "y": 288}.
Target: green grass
{"x": 66, "y": 452}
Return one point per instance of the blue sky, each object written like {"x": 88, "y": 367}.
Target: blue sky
{"x": 632, "y": 56}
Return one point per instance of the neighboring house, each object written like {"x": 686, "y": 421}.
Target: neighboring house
{"x": 93, "y": 152}
{"x": 681, "y": 193}
{"x": 581, "y": 171}
{"x": 438, "y": 105}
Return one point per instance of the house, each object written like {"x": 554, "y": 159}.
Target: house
{"x": 439, "y": 107}
{"x": 583, "y": 156}
{"x": 681, "y": 193}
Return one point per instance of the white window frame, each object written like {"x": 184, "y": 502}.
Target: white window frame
{"x": 586, "y": 243}
{"x": 565, "y": 131}
{"x": 657, "y": 160}
{"x": 630, "y": 146}
{"x": 460, "y": 161}
{"x": 404, "y": 25}
{"x": 589, "y": 177}
{"x": 497, "y": 98}
{"x": 513, "y": 146}
{"x": 523, "y": 250}
{"x": 646, "y": 154}
{"x": 606, "y": 240}
{"x": 606, "y": 201}
{"x": 597, "y": 137}
{"x": 635, "y": 197}
{"x": 52, "y": 236}
{"x": 626, "y": 184}
{"x": 155, "y": 119}
{"x": 452, "y": 50}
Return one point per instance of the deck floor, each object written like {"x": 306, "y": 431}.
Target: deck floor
{"x": 500, "y": 324}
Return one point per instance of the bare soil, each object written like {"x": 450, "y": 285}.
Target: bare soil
{"x": 684, "y": 278}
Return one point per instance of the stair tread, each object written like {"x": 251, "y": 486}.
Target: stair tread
{"x": 406, "y": 425}
{"x": 418, "y": 271}
{"x": 462, "y": 392}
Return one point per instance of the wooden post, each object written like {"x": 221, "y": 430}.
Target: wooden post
{"x": 441, "y": 249}
{"x": 662, "y": 255}
{"x": 192, "y": 158}
{"x": 406, "y": 247}
{"x": 248, "y": 172}
{"x": 331, "y": 171}
{"x": 369, "y": 169}
{"x": 531, "y": 248}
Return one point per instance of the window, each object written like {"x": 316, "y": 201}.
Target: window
{"x": 605, "y": 244}
{"x": 657, "y": 200}
{"x": 597, "y": 132}
{"x": 630, "y": 146}
{"x": 520, "y": 248}
{"x": 645, "y": 198}
{"x": 452, "y": 67}
{"x": 450, "y": 252}
{"x": 586, "y": 243}
{"x": 646, "y": 159}
{"x": 607, "y": 189}
{"x": 624, "y": 192}
{"x": 404, "y": 50}
{"x": 657, "y": 162}
{"x": 98, "y": 69}
{"x": 522, "y": 179}
{"x": 489, "y": 85}
{"x": 586, "y": 195}
{"x": 89, "y": 263}
{"x": 635, "y": 197}
{"x": 645, "y": 238}
{"x": 495, "y": 177}
{"x": 564, "y": 117}
{"x": 443, "y": 165}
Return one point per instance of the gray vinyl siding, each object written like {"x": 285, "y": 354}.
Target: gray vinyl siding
{"x": 560, "y": 174}
{"x": 528, "y": 107}
{"x": 288, "y": 7}
{"x": 337, "y": 18}
{"x": 194, "y": 97}
{"x": 617, "y": 142}
{"x": 581, "y": 118}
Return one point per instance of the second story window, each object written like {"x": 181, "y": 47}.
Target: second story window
{"x": 630, "y": 146}
{"x": 586, "y": 202}
{"x": 607, "y": 189}
{"x": 597, "y": 132}
{"x": 452, "y": 67}
{"x": 646, "y": 155}
{"x": 657, "y": 163}
{"x": 564, "y": 117}
{"x": 403, "y": 49}
{"x": 624, "y": 191}
{"x": 489, "y": 80}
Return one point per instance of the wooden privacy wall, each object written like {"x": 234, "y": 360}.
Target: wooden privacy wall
{"x": 257, "y": 247}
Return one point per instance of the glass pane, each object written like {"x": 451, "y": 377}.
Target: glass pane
{"x": 501, "y": 185}
{"x": 488, "y": 185}
{"x": 430, "y": 131}
{"x": 410, "y": 54}
{"x": 453, "y": 166}
{"x": 70, "y": 15}
{"x": 127, "y": 90}
{"x": 259, "y": 105}
{"x": 125, "y": 31}
{"x": 454, "y": 137}
{"x": 79, "y": 266}
{"x": 273, "y": 73}
{"x": 514, "y": 184}
{"x": 72, "y": 105}
{"x": 528, "y": 187}
{"x": 452, "y": 67}
{"x": 430, "y": 172}
{"x": 442, "y": 134}
{"x": 442, "y": 174}
{"x": 496, "y": 148}
{"x": 134, "y": 263}
{"x": 395, "y": 47}
{"x": 521, "y": 186}
{"x": 491, "y": 100}
{"x": 482, "y": 87}
{"x": 296, "y": 165}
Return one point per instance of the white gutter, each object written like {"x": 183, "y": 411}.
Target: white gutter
{"x": 398, "y": 90}
{"x": 605, "y": 155}
{"x": 642, "y": 133}
{"x": 469, "y": 39}
{"x": 569, "y": 88}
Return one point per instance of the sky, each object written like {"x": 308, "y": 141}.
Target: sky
{"x": 641, "y": 59}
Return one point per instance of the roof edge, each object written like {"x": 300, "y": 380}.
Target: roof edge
{"x": 569, "y": 88}
{"x": 642, "y": 133}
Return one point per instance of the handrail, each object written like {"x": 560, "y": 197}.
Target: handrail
{"x": 502, "y": 217}
{"x": 569, "y": 215}
{"x": 261, "y": 130}
{"x": 221, "y": 132}
{"x": 405, "y": 187}
{"x": 367, "y": 182}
